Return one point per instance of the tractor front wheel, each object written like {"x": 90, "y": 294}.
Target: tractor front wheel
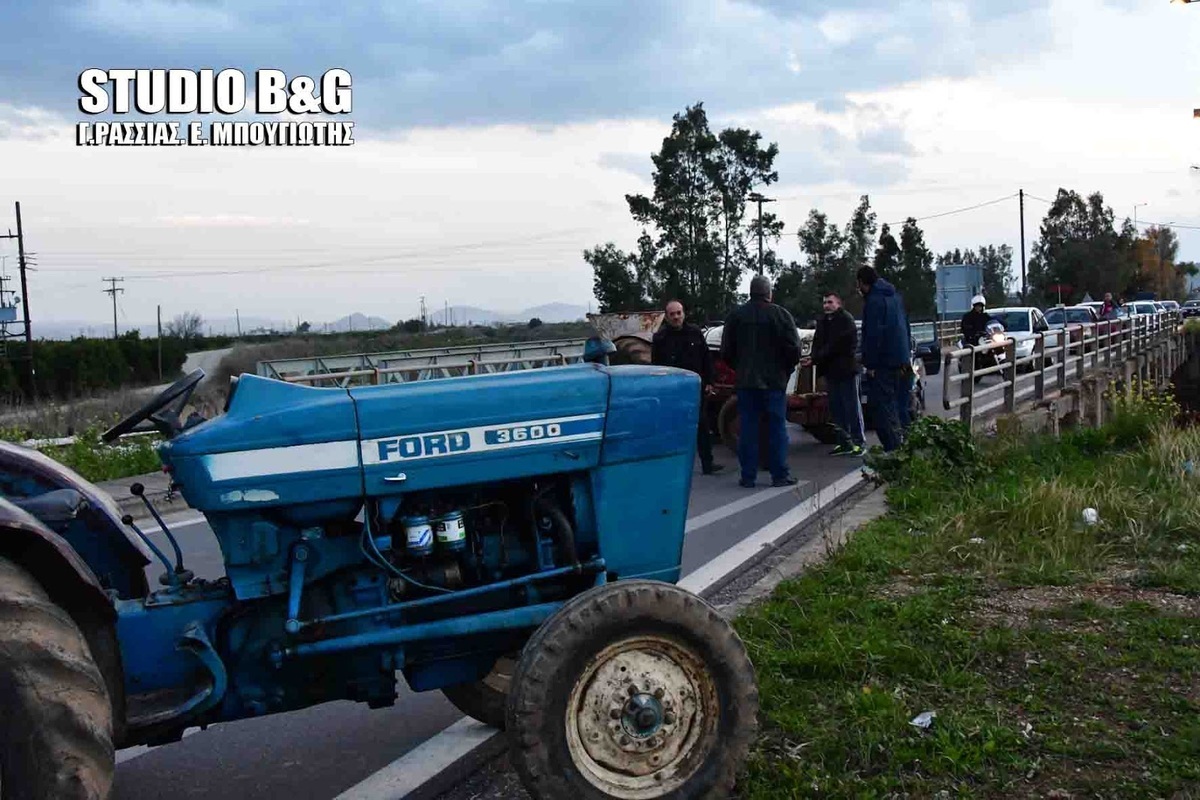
{"x": 56, "y": 729}
{"x": 635, "y": 690}
{"x": 486, "y": 700}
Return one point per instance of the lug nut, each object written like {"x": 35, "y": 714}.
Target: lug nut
{"x": 659, "y": 693}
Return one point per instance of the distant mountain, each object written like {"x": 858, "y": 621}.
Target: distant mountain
{"x": 472, "y": 315}
{"x": 554, "y": 312}
{"x": 466, "y": 315}
{"x": 354, "y": 322}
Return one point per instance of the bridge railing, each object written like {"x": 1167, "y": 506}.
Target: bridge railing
{"x": 1150, "y": 346}
{"x": 413, "y": 365}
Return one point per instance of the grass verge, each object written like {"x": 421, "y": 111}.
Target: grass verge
{"x": 1061, "y": 658}
{"x": 96, "y": 461}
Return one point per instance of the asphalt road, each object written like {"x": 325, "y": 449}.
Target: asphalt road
{"x": 321, "y": 751}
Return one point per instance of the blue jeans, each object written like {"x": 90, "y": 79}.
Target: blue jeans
{"x": 752, "y": 405}
{"x": 884, "y": 405}
{"x": 846, "y": 410}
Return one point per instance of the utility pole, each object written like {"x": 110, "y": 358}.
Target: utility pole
{"x": 238, "y": 316}
{"x": 22, "y": 264}
{"x": 113, "y": 291}
{"x": 1023, "y": 286}
{"x": 758, "y": 198}
{"x": 159, "y": 343}
{"x": 424, "y": 320}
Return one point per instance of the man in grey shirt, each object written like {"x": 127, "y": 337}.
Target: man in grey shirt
{"x": 761, "y": 344}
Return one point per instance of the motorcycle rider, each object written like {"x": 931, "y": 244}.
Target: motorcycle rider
{"x": 974, "y": 327}
{"x": 974, "y": 322}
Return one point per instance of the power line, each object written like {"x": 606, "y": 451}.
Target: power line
{"x": 956, "y": 210}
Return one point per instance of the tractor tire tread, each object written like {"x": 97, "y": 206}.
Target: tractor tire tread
{"x": 56, "y": 732}
{"x": 630, "y": 604}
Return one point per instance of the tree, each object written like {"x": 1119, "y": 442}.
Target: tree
{"x": 616, "y": 283}
{"x": 412, "y": 325}
{"x": 997, "y": 268}
{"x": 186, "y": 326}
{"x": 304, "y": 327}
{"x": 1157, "y": 271}
{"x": 699, "y": 249}
{"x": 916, "y": 280}
{"x": 535, "y": 323}
{"x": 1079, "y": 252}
{"x": 887, "y": 254}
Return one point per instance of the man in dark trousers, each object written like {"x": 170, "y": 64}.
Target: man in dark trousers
{"x": 761, "y": 344}
{"x": 680, "y": 344}
{"x": 833, "y": 351}
{"x": 886, "y": 356}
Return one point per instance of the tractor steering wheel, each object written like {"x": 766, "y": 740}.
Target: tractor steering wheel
{"x": 162, "y": 411}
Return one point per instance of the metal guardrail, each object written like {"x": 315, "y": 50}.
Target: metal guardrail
{"x": 1150, "y": 345}
{"x": 944, "y": 332}
{"x": 411, "y": 365}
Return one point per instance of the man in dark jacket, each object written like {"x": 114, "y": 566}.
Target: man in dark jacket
{"x": 974, "y": 322}
{"x": 761, "y": 344}
{"x": 886, "y": 356}
{"x": 833, "y": 355}
{"x": 680, "y": 344}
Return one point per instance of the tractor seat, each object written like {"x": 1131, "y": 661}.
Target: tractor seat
{"x": 55, "y": 509}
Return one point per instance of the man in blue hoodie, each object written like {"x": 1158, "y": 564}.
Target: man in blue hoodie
{"x": 886, "y": 356}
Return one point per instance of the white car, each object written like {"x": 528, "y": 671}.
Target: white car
{"x": 1141, "y": 308}
{"x": 712, "y": 337}
{"x": 1022, "y": 324}
{"x": 1060, "y": 317}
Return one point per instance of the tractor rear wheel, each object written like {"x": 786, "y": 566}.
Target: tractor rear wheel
{"x": 636, "y": 690}
{"x": 486, "y": 700}
{"x": 56, "y": 729}
{"x": 631, "y": 350}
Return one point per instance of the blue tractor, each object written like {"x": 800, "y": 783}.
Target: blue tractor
{"x": 511, "y": 540}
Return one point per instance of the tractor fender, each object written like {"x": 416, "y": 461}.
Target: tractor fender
{"x": 49, "y": 474}
{"x": 47, "y": 556}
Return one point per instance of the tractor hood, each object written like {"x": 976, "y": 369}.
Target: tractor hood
{"x": 313, "y": 453}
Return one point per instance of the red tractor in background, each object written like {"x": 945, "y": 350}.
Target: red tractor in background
{"x": 807, "y": 401}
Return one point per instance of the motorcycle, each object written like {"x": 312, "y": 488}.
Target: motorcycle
{"x": 993, "y": 335}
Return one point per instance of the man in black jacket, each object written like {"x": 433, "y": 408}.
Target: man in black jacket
{"x": 834, "y": 345}
{"x": 974, "y": 322}
{"x": 761, "y": 344}
{"x": 679, "y": 344}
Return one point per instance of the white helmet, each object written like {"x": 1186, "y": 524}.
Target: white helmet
{"x": 978, "y": 300}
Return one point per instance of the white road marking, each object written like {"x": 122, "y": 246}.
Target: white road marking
{"x": 182, "y": 520}
{"x": 729, "y": 509}
{"x": 412, "y": 770}
{"x": 130, "y": 753}
{"x": 409, "y": 772}
{"x": 700, "y": 579}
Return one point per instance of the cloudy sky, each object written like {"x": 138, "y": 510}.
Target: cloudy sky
{"x": 496, "y": 140}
